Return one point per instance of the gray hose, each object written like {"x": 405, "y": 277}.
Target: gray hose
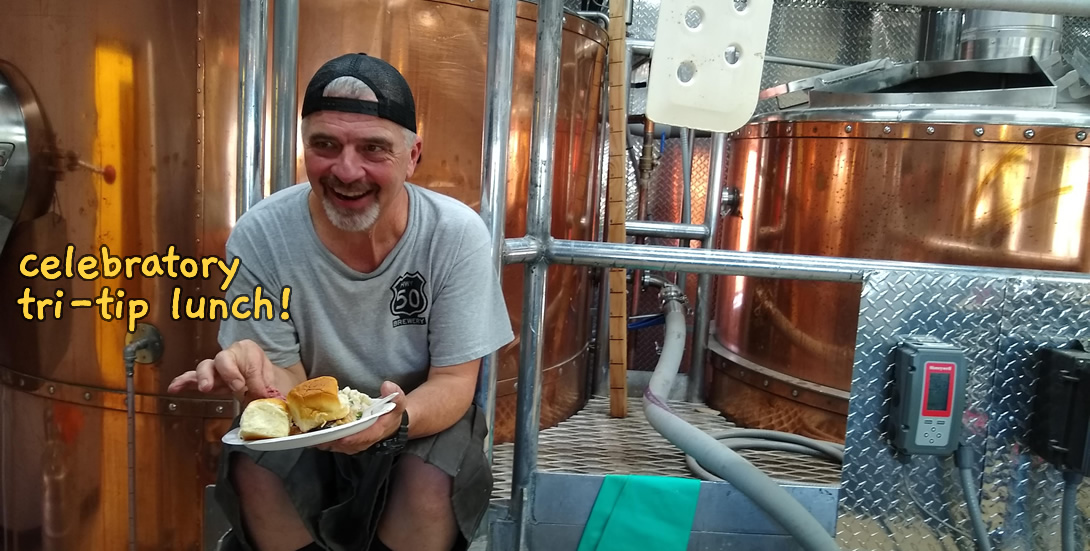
{"x": 964, "y": 461}
{"x": 755, "y": 439}
{"x": 1070, "y": 511}
{"x": 709, "y": 452}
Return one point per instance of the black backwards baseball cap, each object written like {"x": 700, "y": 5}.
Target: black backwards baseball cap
{"x": 395, "y": 98}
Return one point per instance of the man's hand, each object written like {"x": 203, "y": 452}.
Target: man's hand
{"x": 386, "y": 426}
{"x": 242, "y": 369}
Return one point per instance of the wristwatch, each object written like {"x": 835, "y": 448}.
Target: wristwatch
{"x": 397, "y": 442}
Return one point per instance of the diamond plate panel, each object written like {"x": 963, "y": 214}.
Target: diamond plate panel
{"x": 1076, "y": 34}
{"x": 1022, "y": 491}
{"x": 645, "y": 17}
{"x": 919, "y": 499}
{"x": 1001, "y": 324}
{"x": 632, "y": 193}
{"x": 592, "y": 442}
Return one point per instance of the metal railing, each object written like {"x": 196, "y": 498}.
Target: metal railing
{"x": 537, "y": 250}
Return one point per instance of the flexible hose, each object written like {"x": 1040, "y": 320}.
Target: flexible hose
{"x": 1070, "y": 511}
{"x": 756, "y": 439}
{"x": 709, "y": 452}
{"x": 964, "y": 460}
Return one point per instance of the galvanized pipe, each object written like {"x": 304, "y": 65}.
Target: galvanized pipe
{"x": 252, "y": 58}
{"x": 702, "y": 316}
{"x": 940, "y": 34}
{"x": 538, "y": 220}
{"x": 752, "y": 264}
{"x": 599, "y": 372}
{"x": 285, "y": 76}
{"x": 596, "y": 15}
{"x": 795, "y": 62}
{"x": 1078, "y": 8}
{"x": 497, "y": 130}
{"x": 643, "y": 182}
{"x": 522, "y": 250}
{"x": 666, "y": 230}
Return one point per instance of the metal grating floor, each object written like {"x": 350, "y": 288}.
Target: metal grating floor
{"x": 592, "y": 442}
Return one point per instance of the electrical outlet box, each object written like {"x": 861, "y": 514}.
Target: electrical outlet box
{"x": 1060, "y": 425}
{"x": 928, "y": 397}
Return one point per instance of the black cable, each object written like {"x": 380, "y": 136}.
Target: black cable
{"x": 1070, "y": 510}
{"x": 964, "y": 458}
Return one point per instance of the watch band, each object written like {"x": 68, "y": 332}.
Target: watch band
{"x": 403, "y": 430}
{"x": 396, "y": 442}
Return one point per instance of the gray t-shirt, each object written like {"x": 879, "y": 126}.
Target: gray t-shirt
{"x": 434, "y": 301}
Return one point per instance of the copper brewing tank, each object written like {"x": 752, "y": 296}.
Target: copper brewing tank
{"x": 150, "y": 88}
{"x": 1002, "y": 187}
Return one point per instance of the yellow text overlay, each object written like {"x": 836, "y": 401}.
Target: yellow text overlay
{"x": 112, "y": 304}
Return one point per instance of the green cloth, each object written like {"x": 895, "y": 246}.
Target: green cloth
{"x": 641, "y": 512}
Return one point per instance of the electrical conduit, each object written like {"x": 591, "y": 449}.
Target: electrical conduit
{"x": 1070, "y": 510}
{"x": 709, "y": 452}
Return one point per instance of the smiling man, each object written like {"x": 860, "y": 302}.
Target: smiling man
{"x": 393, "y": 290}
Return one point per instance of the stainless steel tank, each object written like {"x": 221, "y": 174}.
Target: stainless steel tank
{"x": 971, "y": 175}
{"x": 149, "y": 91}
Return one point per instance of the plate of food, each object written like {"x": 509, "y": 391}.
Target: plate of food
{"x": 316, "y": 411}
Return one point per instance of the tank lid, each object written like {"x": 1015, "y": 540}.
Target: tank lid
{"x": 999, "y": 90}
{"x": 1068, "y": 118}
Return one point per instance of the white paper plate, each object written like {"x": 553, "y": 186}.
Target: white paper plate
{"x": 378, "y": 409}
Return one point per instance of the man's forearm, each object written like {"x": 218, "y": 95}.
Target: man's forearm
{"x": 286, "y": 378}
{"x": 437, "y": 405}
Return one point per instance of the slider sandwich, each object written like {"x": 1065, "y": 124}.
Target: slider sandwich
{"x": 312, "y": 405}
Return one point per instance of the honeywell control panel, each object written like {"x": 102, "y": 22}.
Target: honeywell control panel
{"x": 928, "y": 397}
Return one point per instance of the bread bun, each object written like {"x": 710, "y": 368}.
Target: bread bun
{"x": 265, "y": 418}
{"x": 316, "y": 402}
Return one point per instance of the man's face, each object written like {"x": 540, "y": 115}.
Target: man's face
{"x": 357, "y": 164}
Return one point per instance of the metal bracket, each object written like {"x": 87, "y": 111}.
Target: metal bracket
{"x": 154, "y": 349}
{"x": 732, "y": 202}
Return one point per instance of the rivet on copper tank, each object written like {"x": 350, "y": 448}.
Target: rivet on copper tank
{"x": 848, "y": 129}
{"x": 1029, "y": 134}
{"x": 52, "y": 389}
{"x": 86, "y": 395}
{"x": 930, "y": 129}
{"x": 1081, "y": 135}
{"x": 219, "y": 409}
{"x": 979, "y": 132}
{"x": 886, "y": 130}
{"x": 795, "y": 393}
{"x": 172, "y": 406}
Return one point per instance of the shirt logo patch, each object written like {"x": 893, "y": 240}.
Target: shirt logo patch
{"x": 409, "y": 300}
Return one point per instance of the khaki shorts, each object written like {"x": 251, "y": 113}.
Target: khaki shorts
{"x": 341, "y": 497}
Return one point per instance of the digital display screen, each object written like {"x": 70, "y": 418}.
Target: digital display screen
{"x": 938, "y": 391}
